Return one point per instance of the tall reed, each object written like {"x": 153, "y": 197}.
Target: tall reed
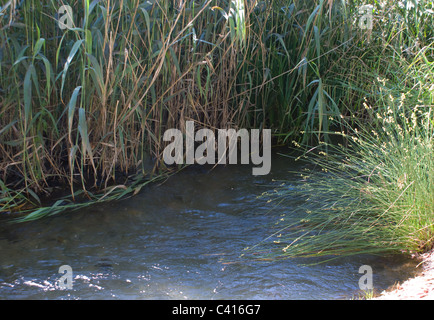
{"x": 86, "y": 106}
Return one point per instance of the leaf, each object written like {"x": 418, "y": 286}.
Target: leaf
{"x": 317, "y": 42}
{"x": 280, "y": 38}
{"x": 48, "y": 72}
{"x": 175, "y": 60}
{"x": 19, "y": 60}
{"x": 225, "y": 15}
{"x": 147, "y": 20}
{"x": 34, "y": 195}
{"x": 71, "y": 55}
{"x": 97, "y": 73}
{"x": 38, "y": 47}
{"x": 311, "y": 109}
{"x": 28, "y": 95}
{"x": 82, "y": 128}
{"x": 71, "y": 109}
{"x": 302, "y": 68}
{"x": 321, "y": 106}
{"x": 88, "y": 41}
{"x": 37, "y": 214}
{"x": 6, "y": 127}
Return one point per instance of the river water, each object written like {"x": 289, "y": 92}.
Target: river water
{"x": 174, "y": 241}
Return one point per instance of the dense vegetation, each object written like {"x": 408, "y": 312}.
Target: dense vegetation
{"x": 83, "y": 107}
{"x": 374, "y": 191}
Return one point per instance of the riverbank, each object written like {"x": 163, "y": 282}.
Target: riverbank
{"x": 419, "y": 287}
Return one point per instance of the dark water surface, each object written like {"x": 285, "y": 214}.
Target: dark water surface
{"x": 172, "y": 242}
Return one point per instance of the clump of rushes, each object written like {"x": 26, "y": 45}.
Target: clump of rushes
{"x": 372, "y": 193}
{"x": 376, "y": 194}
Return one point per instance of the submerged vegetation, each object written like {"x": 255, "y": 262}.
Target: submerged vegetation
{"x": 83, "y": 108}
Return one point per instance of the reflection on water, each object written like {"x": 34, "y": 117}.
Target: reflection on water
{"x": 172, "y": 241}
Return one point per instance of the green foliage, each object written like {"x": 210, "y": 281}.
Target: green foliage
{"x": 86, "y": 106}
{"x": 375, "y": 194}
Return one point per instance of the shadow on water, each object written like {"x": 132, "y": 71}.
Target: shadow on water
{"x": 172, "y": 242}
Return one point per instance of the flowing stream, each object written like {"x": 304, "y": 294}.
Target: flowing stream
{"x": 173, "y": 241}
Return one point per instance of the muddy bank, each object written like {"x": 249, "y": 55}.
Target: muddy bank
{"x": 419, "y": 287}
